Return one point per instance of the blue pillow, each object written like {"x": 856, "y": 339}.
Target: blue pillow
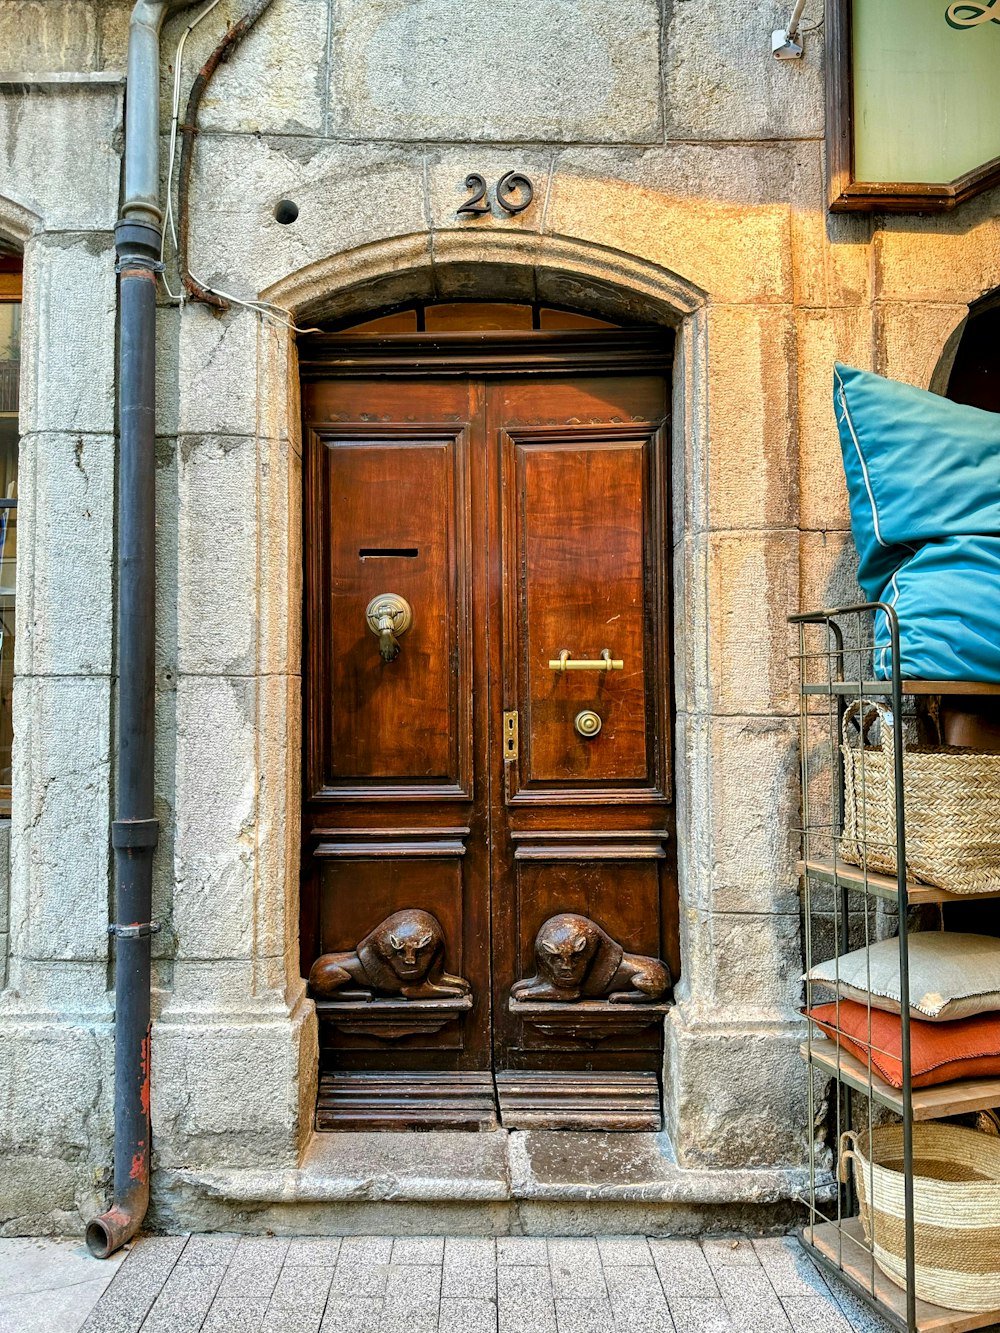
{"x": 947, "y": 598}
{"x": 918, "y": 467}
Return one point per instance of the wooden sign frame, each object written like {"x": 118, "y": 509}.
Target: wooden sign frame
{"x": 847, "y": 194}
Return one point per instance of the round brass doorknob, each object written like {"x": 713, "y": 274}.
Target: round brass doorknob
{"x": 587, "y": 724}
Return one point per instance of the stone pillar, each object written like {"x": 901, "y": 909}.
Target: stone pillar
{"x": 732, "y": 1076}
{"x": 234, "y": 1046}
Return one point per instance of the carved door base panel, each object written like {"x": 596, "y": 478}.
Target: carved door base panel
{"x": 587, "y": 1021}
{"x": 557, "y": 1099}
{"x": 389, "y": 1020}
{"x": 404, "y": 1100}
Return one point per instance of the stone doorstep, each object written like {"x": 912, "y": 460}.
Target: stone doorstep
{"x": 494, "y": 1167}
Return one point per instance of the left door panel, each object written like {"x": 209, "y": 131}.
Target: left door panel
{"x": 395, "y": 883}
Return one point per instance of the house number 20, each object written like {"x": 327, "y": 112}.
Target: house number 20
{"x": 512, "y": 192}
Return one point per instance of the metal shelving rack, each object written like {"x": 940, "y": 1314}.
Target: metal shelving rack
{"x": 853, "y": 906}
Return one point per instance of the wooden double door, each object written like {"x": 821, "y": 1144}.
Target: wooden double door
{"x": 502, "y": 759}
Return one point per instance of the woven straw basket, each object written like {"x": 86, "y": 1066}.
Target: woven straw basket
{"x": 956, "y": 1209}
{"x": 952, "y": 806}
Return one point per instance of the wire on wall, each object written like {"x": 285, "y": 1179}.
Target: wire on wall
{"x": 194, "y": 288}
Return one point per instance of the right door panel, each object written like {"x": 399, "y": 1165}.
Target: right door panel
{"x": 583, "y": 817}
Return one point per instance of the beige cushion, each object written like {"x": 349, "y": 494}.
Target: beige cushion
{"x": 951, "y": 975}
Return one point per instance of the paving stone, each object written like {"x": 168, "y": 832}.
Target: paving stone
{"x": 750, "y": 1299}
{"x": 790, "y": 1270}
{"x": 584, "y": 1315}
{"x": 641, "y": 1316}
{"x": 359, "y": 1279}
{"x": 463, "y": 1315}
{"x": 624, "y": 1251}
{"x": 730, "y": 1254}
{"x": 637, "y": 1300}
{"x": 576, "y": 1269}
{"x": 525, "y": 1281}
{"x": 234, "y": 1316}
{"x": 405, "y": 1316}
{"x": 366, "y": 1249}
{"x": 125, "y": 1304}
{"x": 418, "y": 1284}
{"x": 539, "y": 1316}
{"x": 258, "y": 1254}
{"x": 184, "y": 1302}
{"x": 470, "y": 1268}
{"x": 814, "y": 1314}
{"x": 62, "y": 1309}
{"x": 343, "y": 1314}
{"x": 299, "y": 1298}
{"x": 305, "y": 1251}
{"x": 522, "y": 1250}
{"x": 211, "y": 1250}
{"x": 683, "y": 1269}
{"x": 244, "y": 1291}
{"x": 35, "y": 1263}
{"x": 418, "y": 1250}
{"x": 705, "y": 1316}
{"x": 524, "y": 1300}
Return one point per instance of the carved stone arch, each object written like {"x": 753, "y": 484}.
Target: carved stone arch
{"x": 502, "y": 265}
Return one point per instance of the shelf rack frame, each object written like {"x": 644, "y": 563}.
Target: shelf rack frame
{"x": 840, "y": 686}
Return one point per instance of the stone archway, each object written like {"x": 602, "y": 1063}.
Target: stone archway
{"x": 723, "y": 1026}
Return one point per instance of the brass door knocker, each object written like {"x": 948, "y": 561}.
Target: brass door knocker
{"x": 389, "y": 616}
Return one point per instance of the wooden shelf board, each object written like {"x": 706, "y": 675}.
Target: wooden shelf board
{"x": 853, "y": 877}
{"x": 970, "y": 1094}
{"x": 875, "y": 688}
{"x": 843, "y": 1247}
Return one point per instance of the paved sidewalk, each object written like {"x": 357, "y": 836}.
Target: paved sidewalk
{"x": 377, "y": 1284}
{"x": 50, "y": 1286}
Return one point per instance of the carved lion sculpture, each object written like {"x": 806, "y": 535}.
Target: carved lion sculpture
{"x": 577, "y": 960}
{"x": 404, "y": 955}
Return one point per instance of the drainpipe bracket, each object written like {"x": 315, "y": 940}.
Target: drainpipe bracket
{"x": 135, "y": 932}
{"x": 135, "y": 833}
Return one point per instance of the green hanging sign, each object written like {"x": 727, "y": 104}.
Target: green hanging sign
{"x": 913, "y": 105}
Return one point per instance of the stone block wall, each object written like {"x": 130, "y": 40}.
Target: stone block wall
{"x": 678, "y": 177}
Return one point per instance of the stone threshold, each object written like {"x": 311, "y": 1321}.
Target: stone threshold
{"x": 494, "y": 1167}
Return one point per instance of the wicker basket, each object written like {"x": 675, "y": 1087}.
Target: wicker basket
{"x": 952, "y": 806}
{"x": 956, "y": 1209}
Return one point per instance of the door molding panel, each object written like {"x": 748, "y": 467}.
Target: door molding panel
{"x": 527, "y": 675}
{"x": 346, "y": 654}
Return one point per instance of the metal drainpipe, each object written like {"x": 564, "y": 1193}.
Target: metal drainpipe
{"x": 134, "y": 831}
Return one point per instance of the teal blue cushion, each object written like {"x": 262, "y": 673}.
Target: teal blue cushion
{"x": 947, "y": 598}
{"x": 919, "y": 467}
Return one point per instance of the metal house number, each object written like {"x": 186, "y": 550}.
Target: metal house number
{"x": 513, "y": 192}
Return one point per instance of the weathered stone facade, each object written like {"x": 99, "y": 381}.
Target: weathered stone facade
{"x": 678, "y": 174}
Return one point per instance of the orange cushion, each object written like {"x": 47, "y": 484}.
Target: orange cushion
{"x": 939, "y": 1052}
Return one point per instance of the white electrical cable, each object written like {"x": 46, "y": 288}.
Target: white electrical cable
{"x": 793, "y": 23}
{"x": 263, "y": 308}
{"x": 169, "y": 221}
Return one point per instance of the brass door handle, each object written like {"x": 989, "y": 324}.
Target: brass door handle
{"x": 389, "y": 616}
{"x": 604, "y": 663}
